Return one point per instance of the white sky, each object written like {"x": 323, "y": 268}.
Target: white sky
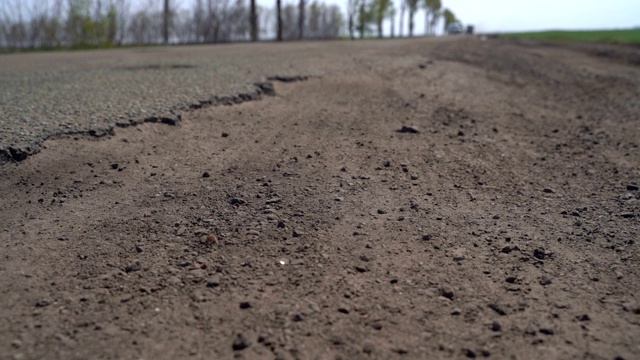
{"x": 523, "y": 15}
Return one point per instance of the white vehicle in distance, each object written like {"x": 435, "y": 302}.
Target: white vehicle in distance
{"x": 454, "y": 29}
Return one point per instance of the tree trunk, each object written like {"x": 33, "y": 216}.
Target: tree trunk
{"x": 253, "y": 18}
{"x": 351, "y": 31}
{"x": 411, "y": 15}
{"x": 206, "y": 30}
{"x": 380, "y": 29}
{"x": 426, "y": 21}
{"x": 393, "y": 26}
{"x": 361, "y": 22}
{"x": 402, "y": 10}
{"x": 165, "y": 30}
{"x": 301, "y": 20}
{"x": 279, "y": 20}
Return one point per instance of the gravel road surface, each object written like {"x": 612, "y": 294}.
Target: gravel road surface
{"x": 415, "y": 199}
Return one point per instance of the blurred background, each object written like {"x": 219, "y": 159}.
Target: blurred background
{"x": 82, "y": 24}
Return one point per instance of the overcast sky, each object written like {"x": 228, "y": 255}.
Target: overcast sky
{"x": 522, "y": 15}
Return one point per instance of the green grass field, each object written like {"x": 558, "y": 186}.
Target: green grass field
{"x": 604, "y": 36}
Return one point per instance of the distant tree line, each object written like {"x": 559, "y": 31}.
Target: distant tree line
{"x": 30, "y": 24}
{"x": 366, "y": 17}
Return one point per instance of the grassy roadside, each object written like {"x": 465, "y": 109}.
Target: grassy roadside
{"x": 629, "y": 36}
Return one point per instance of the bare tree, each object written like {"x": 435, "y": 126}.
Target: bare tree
{"x": 413, "y": 8}
{"x": 334, "y": 22}
{"x": 279, "y": 19}
{"x": 214, "y": 22}
{"x": 353, "y": 7}
{"x": 238, "y": 28}
{"x": 381, "y": 9}
{"x": 100, "y": 23}
{"x": 16, "y": 30}
{"x": 266, "y": 22}
{"x": 165, "y": 27}
{"x": 314, "y": 22}
{"x": 4, "y": 28}
{"x": 122, "y": 17}
{"x": 301, "y": 19}
{"x": 290, "y": 29}
{"x": 431, "y": 15}
{"x": 392, "y": 18}
{"x": 200, "y": 18}
{"x": 403, "y": 8}
{"x": 362, "y": 19}
{"x": 253, "y": 18}
{"x": 324, "y": 21}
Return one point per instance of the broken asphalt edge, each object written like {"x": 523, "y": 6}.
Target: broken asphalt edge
{"x": 18, "y": 153}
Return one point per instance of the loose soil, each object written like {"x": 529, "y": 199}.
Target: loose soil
{"x": 306, "y": 226}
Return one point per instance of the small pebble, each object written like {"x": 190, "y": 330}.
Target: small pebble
{"x": 495, "y": 326}
{"x": 214, "y": 281}
{"x": 212, "y": 239}
{"x": 245, "y": 305}
{"x": 240, "y": 343}
{"x": 409, "y": 130}
{"x": 470, "y": 353}
{"x": 497, "y": 308}
{"x": 544, "y": 281}
{"x": 447, "y": 291}
{"x": 547, "y": 331}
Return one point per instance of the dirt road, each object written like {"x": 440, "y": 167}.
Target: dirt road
{"x": 306, "y": 226}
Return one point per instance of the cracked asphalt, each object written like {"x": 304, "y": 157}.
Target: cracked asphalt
{"x": 44, "y": 95}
